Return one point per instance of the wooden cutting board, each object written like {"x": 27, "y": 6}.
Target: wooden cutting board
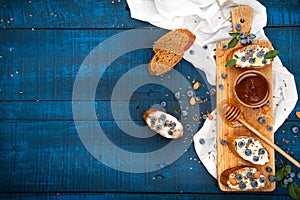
{"x": 225, "y": 129}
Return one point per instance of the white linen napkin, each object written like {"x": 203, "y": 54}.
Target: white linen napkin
{"x": 205, "y": 19}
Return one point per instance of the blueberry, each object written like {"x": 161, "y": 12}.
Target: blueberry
{"x": 238, "y": 27}
{"x": 285, "y": 181}
{"x": 158, "y": 127}
{"x": 292, "y": 174}
{"x": 153, "y": 119}
{"x": 163, "y": 104}
{"x": 248, "y": 152}
{"x": 256, "y": 109}
{"x": 242, "y": 185}
{"x": 239, "y": 177}
{"x": 250, "y": 141}
{"x": 250, "y": 175}
{"x": 190, "y": 93}
{"x": 244, "y": 58}
{"x": 224, "y": 75}
{"x": 177, "y": 95}
{"x": 221, "y": 86}
{"x": 212, "y": 91}
{"x": 249, "y": 41}
{"x": 204, "y": 116}
{"x": 290, "y": 180}
{"x": 242, "y": 35}
{"x": 262, "y": 120}
{"x": 262, "y": 179}
{"x": 298, "y": 175}
{"x": 173, "y": 124}
{"x": 261, "y": 151}
{"x": 223, "y": 142}
{"x": 269, "y": 128}
{"x": 250, "y": 52}
{"x": 166, "y": 124}
{"x": 260, "y": 54}
{"x": 202, "y": 141}
{"x": 170, "y": 132}
{"x": 188, "y": 127}
{"x": 252, "y": 36}
{"x": 192, "y": 52}
{"x": 272, "y": 178}
{"x": 268, "y": 102}
{"x": 163, "y": 117}
{"x": 241, "y": 144}
{"x": 264, "y": 61}
{"x": 252, "y": 60}
{"x": 198, "y": 99}
{"x": 255, "y": 158}
{"x": 254, "y": 184}
{"x": 225, "y": 46}
{"x": 295, "y": 129}
{"x": 243, "y": 41}
{"x": 205, "y": 47}
{"x": 269, "y": 169}
{"x": 184, "y": 113}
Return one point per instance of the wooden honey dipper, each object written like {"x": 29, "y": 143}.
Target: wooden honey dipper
{"x": 232, "y": 113}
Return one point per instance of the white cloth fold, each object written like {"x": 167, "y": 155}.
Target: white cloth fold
{"x": 205, "y": 19}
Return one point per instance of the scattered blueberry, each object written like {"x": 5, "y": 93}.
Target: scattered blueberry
{"x": 166, "y": 124}
{"x": 261, "y": 151}
{"x": 262, "y": 179}
{"x": 252, "y": 60}
{"x": 248, "y": 152}
{"x": 202, "y": 141}
{"x": 262, "y": 120}
{"x": 272, "y": 178}
{"x": 173, "y": 124}
{"x": 153, "y": 119}
{"x": 257, "y": 108}
{"x": 242, "y": 185}
{"x": 190, "y": 93}
{"x": 285, "y": 181}
{"x": 224, "y": 75}
{"x": 184, "y": 113}
{"x": 298, "y": 175}
{"x": 269, "y": 169}
{"x": 238, "y": 27}
{"x": 242, "y": 35}
{"x": 250, "y": 52}
{"x": 292, "y": 174}
{"x": 163, "y": 104}
{"x": 205, "y": 47}
{"x": 254, "y": 184}
{"x": 221, "y": 86}
{"x": 250, "y": 141}
{"x": 188, "y": 127}
{"x": 249, "y": 41}
{"x": 295, "y": 129}
{"x": 252, "y": 36}
{"x": 239, "y": 177}
{"x": 269, "y": 128}
{"x": 260, "y": 54}
{"x": 158, "y": 127}
{"x": 170, "y": 132}
{"x": 243, "y": 41}
{"x": 204, "y": 116}
{"x": 212, "y": 91}
{"x": 255, "y": 158}
{"x": 192, "y": 52}
{"x": 198, "y": 99}
{"x": 241, "y": 144}
{"x": 225, "y": 46}
{"x": 177, "y": 95}
{"x": 163, "y": 117}
{"x": 290, "y": 180}
{"x": 244, "y": 58}
{"x": 223, "y": 142}
{"x": 268, "y": 102}
{"x": 250, "y": 175}
{"x": 264, "y": 61}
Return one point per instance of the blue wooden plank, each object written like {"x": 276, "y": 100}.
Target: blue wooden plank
{"x": 104, "y": 14}
{"x": 48, "y": 156}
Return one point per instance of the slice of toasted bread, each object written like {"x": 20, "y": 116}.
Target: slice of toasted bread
{"x": 249, "y": 149}
{"x": 243, "y": 178}
{"x": 163, "y": 123}
{"x": 169, "y": 50}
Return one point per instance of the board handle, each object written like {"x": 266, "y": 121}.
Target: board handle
{"x": 242, "y": 15}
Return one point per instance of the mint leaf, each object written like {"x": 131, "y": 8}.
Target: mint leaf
{"x": 233, "y": 42}
{"x": 236, "y": 56}
{"x": 234, "y": 34}
{"x": 294, "y": 191}
{"x": 271, "y": 54}
{"x": 230, "y": 63}
{"x": 280, "y": 174}
{"x": 287, "y": 168}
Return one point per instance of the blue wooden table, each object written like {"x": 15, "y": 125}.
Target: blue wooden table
{"x": 43, "y": 44}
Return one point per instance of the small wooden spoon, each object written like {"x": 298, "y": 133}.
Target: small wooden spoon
{"x": 232, "y": 113}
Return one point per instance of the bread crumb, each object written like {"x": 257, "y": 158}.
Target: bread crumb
{"x": 209, "y": 116}
{"x": 298, "y": 114}
{"x": 192, "y": 101}
{"x": 196, "y": 85}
